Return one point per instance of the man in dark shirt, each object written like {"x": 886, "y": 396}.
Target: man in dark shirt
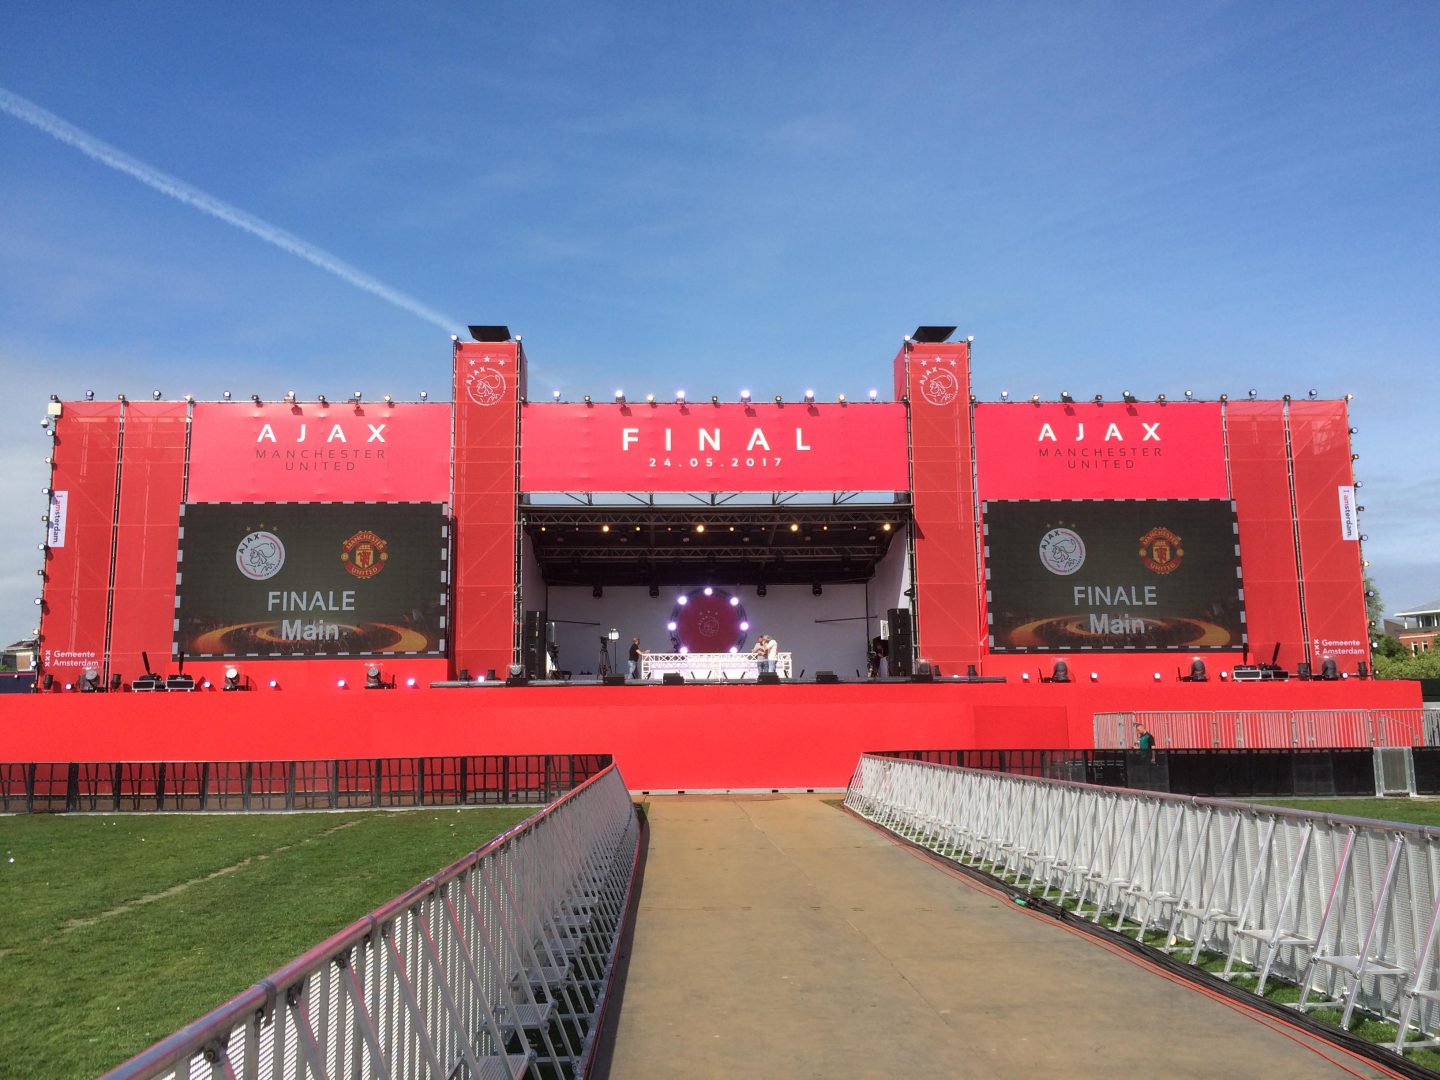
{"x": 635, "y": 653}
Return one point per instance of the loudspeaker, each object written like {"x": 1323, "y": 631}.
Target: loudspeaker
{"x": 826, "y": 677}
{"x": 1362, "y": 670}
{"x": 672, "y": 678}
{"x": 767, "y": 677}
{"x": 614, "y": 680}
{"x": 532, "y": 644}
{"x": 902, "y": 641}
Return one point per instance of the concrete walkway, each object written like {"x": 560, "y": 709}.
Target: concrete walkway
{"x": 777, "y": 936}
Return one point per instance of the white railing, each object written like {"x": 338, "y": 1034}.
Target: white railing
{"x": 1291, "y": 729}
{"x": 1344, "y": 908}
{"x": 716, "y": 667}
{"x": 496, "y": 967}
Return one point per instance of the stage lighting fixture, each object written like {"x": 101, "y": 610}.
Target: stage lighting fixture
{"x": 734, "y": 601}
{"x": 410, "y": 682}
{"x": 886, "y": 526}
{"x": 684, "y": 650}
{"x": 1160, "y": 398}
{"x": 1197, "y": 671}
{"x": 682, "y": 599}
{"x": 1285, "y": 398}
{"x": 809, "y": 396}
{"x": 840, "y": 399}
{"x": 1024, "y": 676}
{"x": 779, "y": 399}
{"x": 1354, "y": 457}
{"x": 671, "y": 626}
{"x": 650, "y": 399}
{"x": 1034, "y": 399}
{"x": 373, "y": 681}
{"x": 48, "y": 681}
{"x": 89, "y": 395}
{"x": 319, "y": 397}
{"x": 1313, "y": 395}
{"x": 389, "y": 400}
{"x": 874, "y": 394}
{"x": 700, "y": 528}
{"x": 597, "y": 591}
{"x": 745, "y": 396}
{"x": 340, "y": 684}
{"x": 1252, "y": 395}
{"x": 555, "y": 394}
{"x": 424, "y": 395}
{"x": 587, "y": 400}
{"x": 760, "y": 589}
{"x": 355, "y": 397}
{"x": 90, "y": 681}
{"x": 654, "y": 591}
{"x": 709, "y": 591}
{"x": 1004, "y": 395}
{"x": 619, "y": 397}
{"x": 679, "y": 397}
{"x": 714, "y": 399}
{"x": 1354, "y": 431}
{"x": 1328, "y": 671}
{"x": 1224, "y": 398}
{"x": 232, "y": 679}
{"x": 1099, "y": 399}
{"x": 289, "y": 397}
{"x": 274, "y": 684}
{"x": 1065, "y": 397}
{"x": 816, "y": 589}
{"x": 1189, "y": 395}
{"x": 1157, "y": 676}
{"x": 227, "y": 396}
{"x": 120, "y": 397}
{"x": 155, "y": 395}
{"x": 1094, "y": 676}
{"x": 794, "y": 527}
{"x": 205, "y": 684}
{"x": 1364, "y": 537}
{"x": 1060, "y": 672}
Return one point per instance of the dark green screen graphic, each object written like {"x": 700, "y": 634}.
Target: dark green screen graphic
{"x": 1133, "y": 575}
{"x": 309, "y": 580}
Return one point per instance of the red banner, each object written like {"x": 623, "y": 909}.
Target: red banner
{"x": 320, "y": 453}
{"x": 1111, "y": 450}
{"x": 704, "y": 447}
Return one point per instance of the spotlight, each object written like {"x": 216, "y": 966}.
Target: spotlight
{"x": 320, "y": 398}
{"x": 274, "y": 684}
{"x": 1099, "y": 399}
{"x": 734, "y": 601}
{"x": 155, "y": 395}
{"x": 555, "y": 394}
{"x": 809, "y": 396}
{"x": 587, "y": 400}
{"x": 227, "y": 395}
{"x": 90, "y": 681}
{"x": 289, "y": 397}
{"x": 679, "y": 397}
{"x": 116, "y": 681}
{"x": 671, "y": 626}
{"x": 1224, "y": 398}
{"x": 1252, "y": 395}
{"x": 255, "y": 398}
{"x": 840, "y": 398}
{"x": 1065, "y": 397}
{"x": 886, "y": 526}
{"x": 709, "y": 591}
{"x": 1157, "y": 676}
{"x": 424, "y": 395}
{"x": 619, "y": 397}
{"x": 1286, "y": 399}
{"x": 794, "y": 527}
{"x": 1034, "y": 399}
{"x": 700, "y": 528}
{"x": 714, "y": 399}
{"x": 120, "y": 397}
{"x": 1160, "y": 398}
{"x": 1024, "y": 676}
{"x": 410, "y": 682}
{"x": 682, "y": 599}
{"x": 874, "y": 394}
{"x": 816, "y": 589}
{"x": 373, "y": 681}
{"x": 355, "y": 397}
{"x": 745, "y": 396}
{"x": 1129, "y": 397}
{"x": 1354, "y": 431}
{"x": 744, "y": 627}
{"x": 89, "y": 395}
{"x": 1313, "y": 395}
{"x": 1060, "y": 672}
{"x": 650, "y": 399}
{"x": 340, "y": 684}
{"x": 1094, "y": 676}
{"x": 389, "y": 400}
{"x": 1197, "y": 671}
{"x": 1004, "y": 395}
{"x": 1189, "y": 395}
{"x": 779, "y": 400}
{"x": 232, "y": 678}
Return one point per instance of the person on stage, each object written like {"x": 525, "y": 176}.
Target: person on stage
{"x": 772, "y": 653}
{"x": 877, "y": 656}
{"x": 635, "y": 654}
{"x": 759, "y": 653}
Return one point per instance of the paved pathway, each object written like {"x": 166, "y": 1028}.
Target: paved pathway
{"x": 778, "y": 936}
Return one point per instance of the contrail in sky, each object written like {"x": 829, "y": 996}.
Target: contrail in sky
{"x": 166, "y": 184}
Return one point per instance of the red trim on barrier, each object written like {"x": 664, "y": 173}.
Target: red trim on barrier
{"x": 663, "y": 738}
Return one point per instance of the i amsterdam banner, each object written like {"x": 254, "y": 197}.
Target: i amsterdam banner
{"x": 306, "y": 580}
{"x": 703, "y": 447}
{"x": 308, "y": 452}
{"x": 1111, "y": 450}
{"x": 1157, "y": 575}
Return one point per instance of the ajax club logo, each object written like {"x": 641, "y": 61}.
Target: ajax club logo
{"x": 1160, "y": 550}
{"x": 484, "y": 385}
{"x": 1062, "y": 551}
{"x": 364, "y": 554}
{"x": 938, "y": 385}
{"x": 260, "y": 555}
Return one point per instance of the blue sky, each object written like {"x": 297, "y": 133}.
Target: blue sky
{"x": 1107, "y": 196}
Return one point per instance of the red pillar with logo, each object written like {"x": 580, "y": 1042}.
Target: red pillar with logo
{"x": 948, "y": 602}
{"x": 489, "y": 382}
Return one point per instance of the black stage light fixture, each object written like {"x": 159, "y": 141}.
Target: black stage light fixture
{"x": 597, "y": 591}
{"x": 816, "y": 589}
{"x": 1066, "y": 398}
{"x": 516, "y": 676}
{"x": 48, "y": 681}
{"x": 1197, "y": 671}
{"x": 1328, "y": 671}
{"x": 116, "y": 681}
{"x": 232, "y": 680}
{"x": 654, "y": 591}
{"x": 924, "y": 672}
{"x": 255, "y": 399}
{"x": 760, "y": 589}
{"x": 490, "y": 333}
{"x": 373, "y": 681}
{"x": 1129, "y": 397}
{"x": 932, "y": 335}
{"x": 1060, "y": 672}
{"x": 1362, "y": 670}
{"x": 90, "y": 681}
{"x": 181, "y": 683}
{"x": 1303, "y": 670}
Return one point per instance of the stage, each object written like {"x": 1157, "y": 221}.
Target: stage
{"x": 790, "y": 736}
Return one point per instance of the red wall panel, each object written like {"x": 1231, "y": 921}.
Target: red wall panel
{"x": 1148, "y": 450}
{"x": 1260, "y": 486}
{"x": 307, "y": 452}
{"x": 702, "y": 447}
{"x": 152, "y": 480}
{"x": 1335, "y": 618}
{"x": 488, "y": 385}
{"x": 77, "y": 586}
{"x": 949, "y": 612}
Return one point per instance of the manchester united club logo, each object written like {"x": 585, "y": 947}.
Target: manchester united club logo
{"x": 364, "y": 554}
{"x": 484, "y": 385}
{"x": 260, "y": 555}
{"x": 1160, "y": 550}
{"x": 1062, "y": 551}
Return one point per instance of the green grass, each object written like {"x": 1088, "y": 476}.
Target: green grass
{"x": 1407, "y": 811}
{"x": 94, "y": 967}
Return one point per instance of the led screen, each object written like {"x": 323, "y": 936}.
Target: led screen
{"x": 1131, "y": 575}
{"x": 308, "y": 580}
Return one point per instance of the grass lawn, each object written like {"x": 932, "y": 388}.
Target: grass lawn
{"x": 1406, "y": 811}
{"x": 118, "y": 930}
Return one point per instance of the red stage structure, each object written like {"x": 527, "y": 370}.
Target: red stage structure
{"x": 288, "y": 547}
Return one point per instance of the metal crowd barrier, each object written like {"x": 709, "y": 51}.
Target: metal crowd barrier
{"x": 1277, "y": 728}
{"x": 1346, "y": 909}
{"x": 498, "y": 966}
{"x": 340, "y": 784}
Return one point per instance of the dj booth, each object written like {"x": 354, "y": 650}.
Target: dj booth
{"x": 712, "y": 667}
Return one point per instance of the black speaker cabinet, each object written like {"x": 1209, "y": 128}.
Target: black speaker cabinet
{"x": 532, "y": 644}
{"x": 901, "y": 660}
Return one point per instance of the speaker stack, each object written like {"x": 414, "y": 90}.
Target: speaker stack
{"x": 901, "y": 657}
{"x": 532, "y": 644}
